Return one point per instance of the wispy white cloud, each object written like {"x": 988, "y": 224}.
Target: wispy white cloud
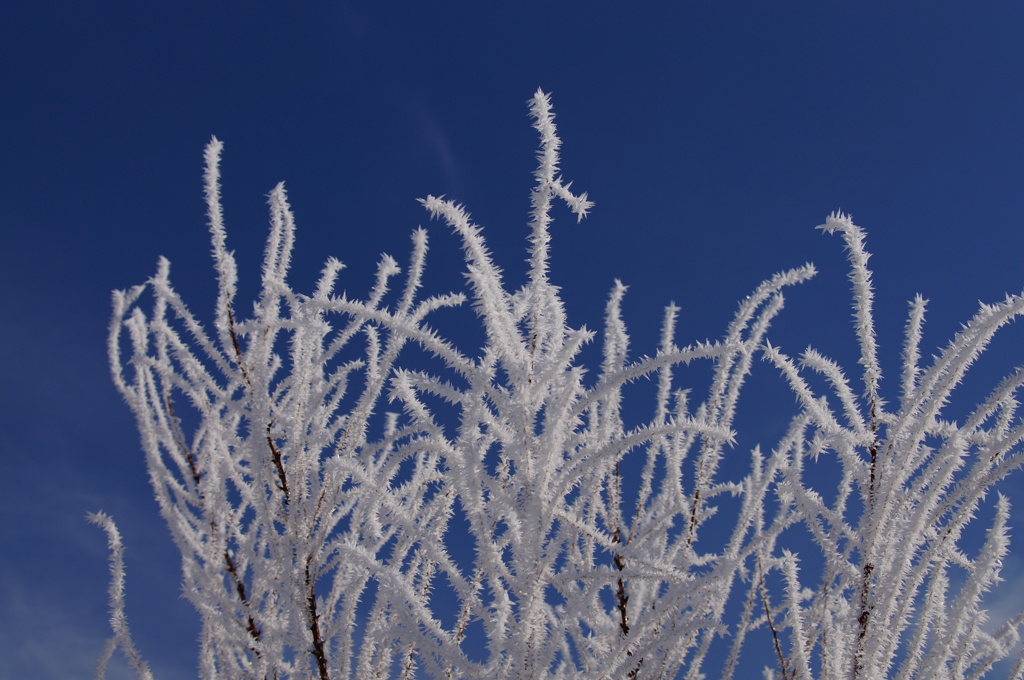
{"x": 48, "y": 635}
{"x": 1006, "y": 602}
{"x": 439, "y": 145}
{"x": 44, "y": 638}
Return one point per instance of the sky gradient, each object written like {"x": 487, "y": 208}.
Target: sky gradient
{"x": 712, "y": 137}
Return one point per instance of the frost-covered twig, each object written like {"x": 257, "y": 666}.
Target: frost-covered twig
{"x": 122, "y": 638}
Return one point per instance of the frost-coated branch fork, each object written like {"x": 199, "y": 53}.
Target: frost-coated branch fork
{"x": 318, "y": 530}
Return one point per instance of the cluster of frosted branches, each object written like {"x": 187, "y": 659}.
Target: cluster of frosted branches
{"x": 899, "y": 595}
{"x": 288, "y": 514}
{"x": 508, "y": 523}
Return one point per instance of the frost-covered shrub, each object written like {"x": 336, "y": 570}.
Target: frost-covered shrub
{"x": 343, "y": 512}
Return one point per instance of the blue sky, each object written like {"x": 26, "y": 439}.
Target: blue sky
{"x": 713, "y": 138}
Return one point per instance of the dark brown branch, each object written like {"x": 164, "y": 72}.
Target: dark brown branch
{"x": 621, "y": 596}
{"x": 771, "y": 624}
{"x": 620, "y": 591}
{"x": 863, "y": 620}
{"x": 237, "y": 346}
{"x": 275, "y": 454}
{"x": 185, "y": 450}
{"x": 251, "y": 626}
{"x": 317, "y": 649}
{"x": 692, "y": 530}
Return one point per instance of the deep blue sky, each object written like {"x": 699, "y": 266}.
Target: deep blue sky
{"x": 713, "y": 138}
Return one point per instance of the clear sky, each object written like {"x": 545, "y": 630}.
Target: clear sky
{"x": 713, "y": 138}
